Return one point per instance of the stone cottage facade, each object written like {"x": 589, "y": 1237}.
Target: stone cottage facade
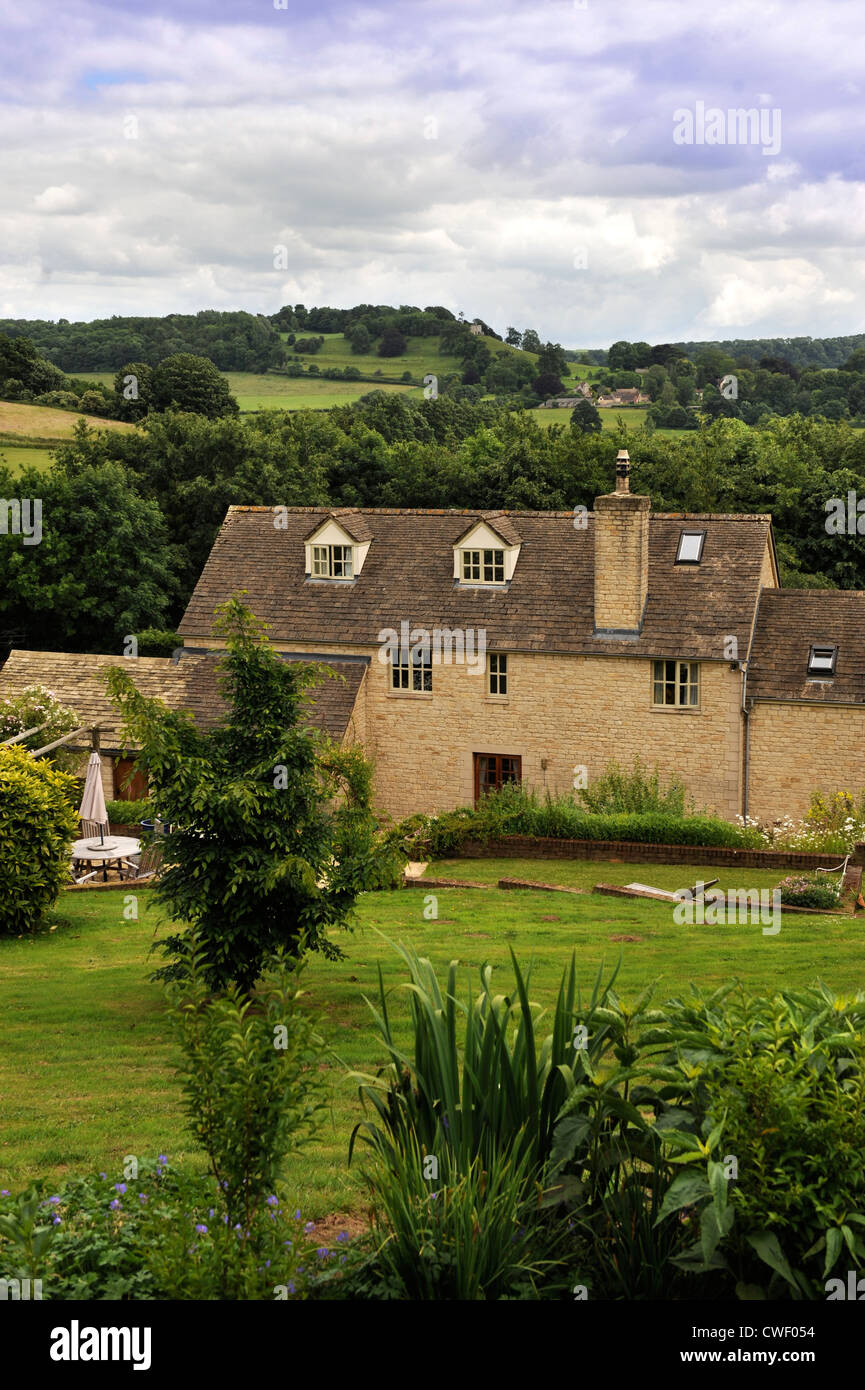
{"x": 473, "y": 649}
{"x": 539, "y": 646}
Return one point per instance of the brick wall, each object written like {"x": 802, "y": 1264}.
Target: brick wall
{"x": 630, "y": 852}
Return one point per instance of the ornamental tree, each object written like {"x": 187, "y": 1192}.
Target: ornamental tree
{"x": 275, "y": 837}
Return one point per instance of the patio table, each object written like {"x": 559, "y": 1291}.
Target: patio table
{"x": 118, "y": 848}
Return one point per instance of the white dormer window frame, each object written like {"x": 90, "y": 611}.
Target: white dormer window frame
{"x": 483, "y": 566}
{"x": 332, "y": 556}
{"x": 482, "y": 558}
{"x": 333, "y": 562}
{"x": 822, "y": 659}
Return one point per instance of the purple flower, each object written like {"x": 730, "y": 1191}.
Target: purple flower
{"x": 323, "y": 1253}
{"x": 5, "y": 1192}
{"x": 56, "y": 1221}
{"x": 202, "y": 1230}
{"x": 162, "y": 1159}
{"x": 120, "y": 1187}
{"x": 290, "y": 1286}
{"x": 273, "y": 1201}
{"x": 142, "y": 1196}
{"x": 103, "y": 1175}
{"x": 297, "y": 1216}
{"x": 53, "y": 1201}
{"x": 343, "y": 1237}
{"x": 115, "y": 1205}
{"x": 310, "y": 1226}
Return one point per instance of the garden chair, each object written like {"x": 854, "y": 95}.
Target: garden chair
{"x": 144, "y": 865}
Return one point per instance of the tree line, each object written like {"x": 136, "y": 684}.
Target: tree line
{"x": 129, "y": 518}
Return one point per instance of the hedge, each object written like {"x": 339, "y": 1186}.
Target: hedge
{"x": 37, "y": 827}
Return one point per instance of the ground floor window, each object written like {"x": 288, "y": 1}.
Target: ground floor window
{"x": 494, "y": 771}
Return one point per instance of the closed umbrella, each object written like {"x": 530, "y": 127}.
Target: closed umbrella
{"x": 93, "y": 800}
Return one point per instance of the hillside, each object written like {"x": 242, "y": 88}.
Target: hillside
{"x": 21, "y": 424}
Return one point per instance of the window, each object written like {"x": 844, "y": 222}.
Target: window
{"x": 821, "y": 661}
{"x": 331, "y": 562}
{"x": 483, "y": 566}
{"x": 412, "y": 670}
{"x": 494, "y": 771}
{"x": 690, "y": 550}
{"x": 676, "y": 683}
{"x": 497, "y": 668}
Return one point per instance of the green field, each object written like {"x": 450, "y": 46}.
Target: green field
{"x": 87, "y": 1069}
{"x": 45, "y": 424}
{"x": 17, "y": 457}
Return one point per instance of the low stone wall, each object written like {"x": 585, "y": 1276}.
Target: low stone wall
{"x": 631, "y": 852}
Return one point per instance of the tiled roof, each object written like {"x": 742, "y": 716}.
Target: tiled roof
{"x": 789, "y": 622}
{"x": 192, "y": 684}
{"x": 351, "y": 519}
{"x": 548, "y": 606}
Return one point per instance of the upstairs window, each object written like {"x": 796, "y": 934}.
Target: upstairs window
{"x": 483, "y": 566}
{"x": 690, "y": 550}
{"x": 821, "y": 661}
{"x": 676, "y": 683}
{"x": 497, "y": 670}
{"x": 331, "y": 562}
{"x": 412, "y": 670}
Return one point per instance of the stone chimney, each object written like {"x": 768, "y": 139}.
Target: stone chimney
{"x": 621, "y": 557}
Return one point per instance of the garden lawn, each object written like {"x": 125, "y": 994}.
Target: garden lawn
{"x": 86, "y": 1073}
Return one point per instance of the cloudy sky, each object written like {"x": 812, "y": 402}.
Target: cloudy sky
{"x": 527, "y": 161}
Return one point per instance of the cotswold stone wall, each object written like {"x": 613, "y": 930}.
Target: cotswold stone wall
{"x": 796, "y": 749}
{"x": 562, "y": 711}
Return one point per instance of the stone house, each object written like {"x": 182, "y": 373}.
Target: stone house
{"x": 474, "y": 649}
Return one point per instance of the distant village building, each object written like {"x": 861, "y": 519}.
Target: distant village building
{"x": 476, "y": 328}
{"x": 627, "y": 395}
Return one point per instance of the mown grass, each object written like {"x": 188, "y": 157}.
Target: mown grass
{"x": 87, "y": 1068}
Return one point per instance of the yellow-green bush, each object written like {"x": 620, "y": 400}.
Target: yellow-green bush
{"x": 37, "y": 827}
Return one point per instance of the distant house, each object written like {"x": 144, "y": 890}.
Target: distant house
{"x": 475, "y": 328}
{"x": 626, "y": 395}
{"x": 561, "y": 402}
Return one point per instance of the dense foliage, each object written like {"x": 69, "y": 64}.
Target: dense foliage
{"x": 37, "y": 827}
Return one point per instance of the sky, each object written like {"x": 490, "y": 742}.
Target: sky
{"x": 535, "y": 163}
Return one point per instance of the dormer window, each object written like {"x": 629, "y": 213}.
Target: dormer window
{"x": 821, "y": 661}
{"x": 483, "y": 566}
{"x": 337, "y": 546}
{"x": 690, "y": 551}
{"x": 488, "y": 551}
{"x": 332, "y": 562}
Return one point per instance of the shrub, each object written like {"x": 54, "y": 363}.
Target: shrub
{"x": 513, "y": 811}
{"x": 128, "y": 812}
{"x": 635, "y": 791}
{"x": 37, "y": 827}
{"x": 249, "y": 1081}
{"x": 779, "y": 1083}
{"x": 153, "y": 641}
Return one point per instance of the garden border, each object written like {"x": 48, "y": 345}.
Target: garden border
{"x": 638, "y": 852}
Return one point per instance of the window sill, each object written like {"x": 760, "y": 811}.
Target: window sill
{"x": 409, "y": 695}
{"x": 497, "y": 699}
{"x": 676, "y": 709}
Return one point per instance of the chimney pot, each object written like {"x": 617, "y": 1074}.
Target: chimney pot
{"x": 623, "y": 470}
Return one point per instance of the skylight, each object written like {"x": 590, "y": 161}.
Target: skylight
{"x": 690, "y": 550}
{"x": 821, "y": 661}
